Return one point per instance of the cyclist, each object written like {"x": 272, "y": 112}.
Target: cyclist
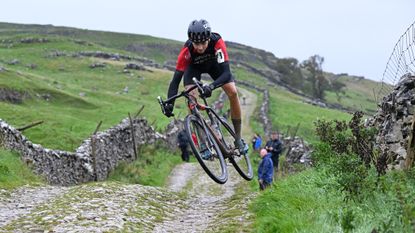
{"x": 205, "y": 52}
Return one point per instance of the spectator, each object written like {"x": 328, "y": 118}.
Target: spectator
{"x": 182, "y": 142}
{"x": 258, "y": 142}
{"x": 265, "y": 170}
{"x": 254, "y": 140}
{"x": 274, "y": 146}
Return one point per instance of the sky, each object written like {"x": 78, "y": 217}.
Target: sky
{"x": 354, "y": 36}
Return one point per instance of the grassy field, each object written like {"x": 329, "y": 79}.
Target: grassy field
{"x": 151, "y": 168}
{"x": 71, "y": 98}
{"x": 14, "y": 173}
{"x": 288, "y": 110}
{"x": 315, "y": 204}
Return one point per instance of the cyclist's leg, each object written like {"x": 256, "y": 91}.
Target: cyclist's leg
{"x": 236, "y": 115}
{"x": 190, "y": 73}
{"x": 232, "y": 93}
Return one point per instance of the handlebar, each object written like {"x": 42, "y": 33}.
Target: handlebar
{"x": 198, "y": 85}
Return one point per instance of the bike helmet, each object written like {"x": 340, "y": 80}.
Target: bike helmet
{"x": 199, "y": 31}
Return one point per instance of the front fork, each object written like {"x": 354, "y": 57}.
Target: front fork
{"x": 216, "y": 133}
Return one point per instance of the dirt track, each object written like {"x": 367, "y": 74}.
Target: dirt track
{"x": 208, "y": 201}
{"x": 192, "y": 202}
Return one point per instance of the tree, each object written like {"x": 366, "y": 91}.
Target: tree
{"x": 338, "y": 88}
{"x": 291, "y": 72}
{"x": 318, "y": 82}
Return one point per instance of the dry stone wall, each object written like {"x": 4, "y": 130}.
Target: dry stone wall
{"x": 394, "y": 119}
{"x": 263, "y": 111}
{"x": 297, "y": 150}
{"x": 92, "y": 160}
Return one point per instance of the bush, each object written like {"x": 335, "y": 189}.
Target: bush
{"x": 346, "y": 152}
{"x": 348, "y": 169}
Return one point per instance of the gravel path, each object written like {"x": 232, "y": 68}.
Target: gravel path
{"x": 23, "y": 200}
{"x": 208, "y": 201}
{"x": 192, "y": 202}
{"x": 95, "y": 207}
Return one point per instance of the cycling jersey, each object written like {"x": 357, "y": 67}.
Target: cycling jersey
{"x": 214, "y": 61}
{"x": 216, "y": 51}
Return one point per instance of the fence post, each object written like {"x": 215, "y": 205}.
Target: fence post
{"x": 139, "y": 111}
{"x": 2, "y": 144}
{"x": 21, "y": 129}
{"x": 296, "y": 129}
{"x": 410, "y": 152}
{"x": 133, "y": 135}
{"x": 93, "y": 151}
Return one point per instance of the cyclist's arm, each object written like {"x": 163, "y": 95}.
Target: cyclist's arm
{"x": 183, "y": 61}
{"x": 223, "y": 60}
{"x": 174, "y": 84}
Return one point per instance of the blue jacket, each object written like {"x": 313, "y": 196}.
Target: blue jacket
{"x": 266, "y": 169}
{"x": 258, "y": 143}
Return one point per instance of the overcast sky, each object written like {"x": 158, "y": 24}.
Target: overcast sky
{"x": 354, "y": 36}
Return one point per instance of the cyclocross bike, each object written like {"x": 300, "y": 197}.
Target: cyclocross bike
{"x": 211, "y": 138}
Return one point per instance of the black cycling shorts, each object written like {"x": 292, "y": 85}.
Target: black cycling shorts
{"x": 214, "y": 70}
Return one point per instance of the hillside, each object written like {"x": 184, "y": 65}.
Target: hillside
{"x": 71, "y": 79}
{"x": 285, "y": 72}
{"x": 71, "y": 85}
{"x": 50, "y": 81}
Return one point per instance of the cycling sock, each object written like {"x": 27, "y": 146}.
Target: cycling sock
{"x": 237, "y": 126}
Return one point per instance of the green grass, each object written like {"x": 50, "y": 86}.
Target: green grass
{"x": 149, "y": 45}
{"x": 152, "y": 167}
{"x": 14, "y": 173}
{"x": 360, "y": 94}
{"x": 310, "y": 202}
{"x": 295, "y": 204}
{"x": 298, "y": 203}
{"x": 287, "y": 110}
{"x": 68, "y": 117}
{"x": 242, "y": 74}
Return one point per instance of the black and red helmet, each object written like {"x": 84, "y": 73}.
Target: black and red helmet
{"x": 199, "y": 31}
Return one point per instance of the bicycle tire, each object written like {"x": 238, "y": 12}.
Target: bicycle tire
{"x": 215, "y": 167}
{"x": 241, "y": 163}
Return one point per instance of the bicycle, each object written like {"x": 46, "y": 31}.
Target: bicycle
{"x": 211, "y": 138}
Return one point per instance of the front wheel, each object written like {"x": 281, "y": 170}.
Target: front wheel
{"x": 206, "y": 150}
{"x": 240, "y": 161}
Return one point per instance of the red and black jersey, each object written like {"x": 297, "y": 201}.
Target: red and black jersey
{"x": 215, "y": 52}
{"x": 214, "y": 61}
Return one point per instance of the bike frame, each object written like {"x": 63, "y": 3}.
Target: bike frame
{"x": 195, "y": 109}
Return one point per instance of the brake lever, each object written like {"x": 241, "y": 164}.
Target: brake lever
{"x": 160, "y": 100}
{"x": 198, "y": 85}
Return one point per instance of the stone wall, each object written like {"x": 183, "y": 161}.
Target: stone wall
{"x": 172, "y": 130}
{"x": 263, "y": 111}
{"x": 92, "y": 160}
{"x": 393, "y": 120}
{"x": 297, "y": 150}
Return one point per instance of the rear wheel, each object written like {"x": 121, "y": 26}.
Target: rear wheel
{"x": 206, "y": 150}
{"x": 240, "y": 161}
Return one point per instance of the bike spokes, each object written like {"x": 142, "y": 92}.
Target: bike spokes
{"x": 240, "y": 161}
{"x": 206, "y": 150}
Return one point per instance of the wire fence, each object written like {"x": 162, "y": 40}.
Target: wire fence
{"x": 401, "y": 62}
